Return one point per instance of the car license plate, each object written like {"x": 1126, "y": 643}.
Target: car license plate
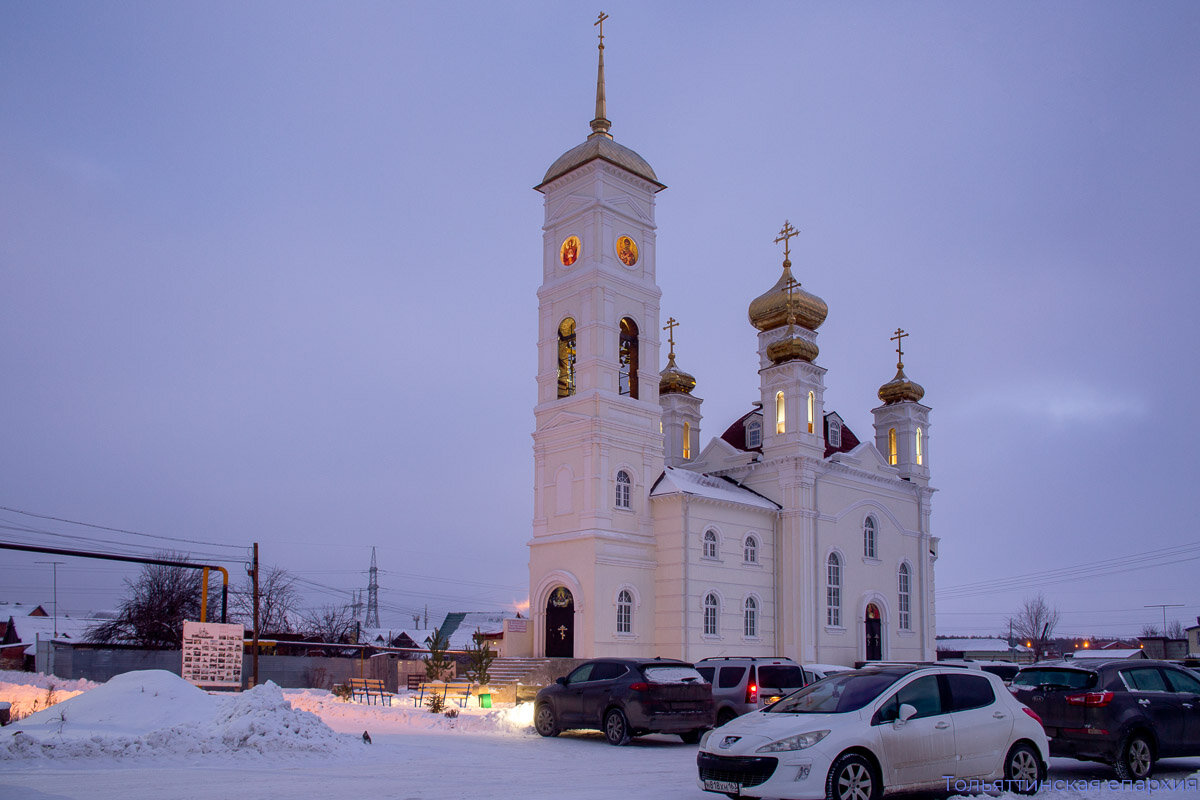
{"x": 728, "y": 787}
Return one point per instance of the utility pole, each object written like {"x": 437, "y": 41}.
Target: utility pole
{"x": 254, "y": 656}
{"x": 1164, "y": 607}
{"x": 54, "y": 564}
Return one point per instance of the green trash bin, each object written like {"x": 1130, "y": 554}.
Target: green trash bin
{"x": 485, "y": 701}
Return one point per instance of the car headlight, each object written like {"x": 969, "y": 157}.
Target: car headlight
{"x": 797, "y": 742}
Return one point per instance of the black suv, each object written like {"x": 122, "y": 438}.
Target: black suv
{"x": 626, "y": 697}
{"x": 1127, "y": 713}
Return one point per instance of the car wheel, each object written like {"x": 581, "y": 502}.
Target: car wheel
{"x": 725, "y": 715}
{"x": 1135, "y": 757}
{"x": 616, "y": 727}
{"x": 852, "y": 777}
{"x": 543, "y": 720}
{"x": 692, "y": 737}
{"x": 1023, "y": 769}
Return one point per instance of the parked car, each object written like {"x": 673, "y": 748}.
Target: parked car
{"x": 1122, "y": 712}
{"x": 741, "y": 685}
{"x": 819, "y": 671}
{"x": 861, "y": 733}
{"x": 626, "y": 697}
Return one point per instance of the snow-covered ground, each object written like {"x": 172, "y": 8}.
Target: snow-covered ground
{"x": 149, "y": 735}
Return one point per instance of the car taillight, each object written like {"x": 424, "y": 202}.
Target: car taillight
{"x": 1090, "y": 699}
{"x": 640, "y": 687}
{"x": 1033, "y": 714}
{"x": 751, "y": 693}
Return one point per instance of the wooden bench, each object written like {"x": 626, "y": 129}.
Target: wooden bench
{"x": 458, "y": 691}
{"x": 369, "y": 689}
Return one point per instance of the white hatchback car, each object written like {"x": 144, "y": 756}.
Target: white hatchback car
{"x": 860, "y": 733}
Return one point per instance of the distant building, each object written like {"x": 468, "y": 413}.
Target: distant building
{"x": 1164, "y": 647}
{"x": 1193, "y": 640}
{"x": 982, "y": 649}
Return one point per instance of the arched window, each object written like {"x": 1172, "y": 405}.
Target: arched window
{"x": 920, "y": 449}
{"x": 687, "y": 440}
{"x": 833, "y": 591}
{"x": 711, "y": 617}
{"x": 779, "y": 413}
{"x": 812, "y": 412}
{"x": 835, "y": 433}
{"x": 710, "y": 544}
{"x": 623, "y": 484}
{"x": 869, "y": 548}
{"x": 628, "y": 356}
{"x": 566, "y": 358}
{"x": 625, "y": 612}
{"x": 750, "y": 617}
{"x": 750, "y": 550}
{"x": 754, "y": 434}
{"x": 892, "y": 459}
{"x": 905, "y": 592}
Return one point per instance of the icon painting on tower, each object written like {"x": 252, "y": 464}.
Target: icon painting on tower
{"x": 568, "y": 253}
{"x": 627, "y": 250}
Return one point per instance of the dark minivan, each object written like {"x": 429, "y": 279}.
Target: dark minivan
{"x": 1127, "y": 713}
{"x": 627, "y": 697}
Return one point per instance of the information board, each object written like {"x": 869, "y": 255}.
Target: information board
{"x": 212, "y": 654}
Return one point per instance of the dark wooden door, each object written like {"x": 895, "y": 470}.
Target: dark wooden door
{"x": 560, "y": 624}
{"x": 874, "y": 634}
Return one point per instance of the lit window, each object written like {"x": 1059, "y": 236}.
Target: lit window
{"x": 905, "y": 598}
{"x": 628, "y": 357}
{"x": 625, "y": 612}
{"x": 892, "y": 446}
{"x": 750, "y": 617}
{"x": 835, "y": 433}
{"x": 812, "y": 411}
{"x": 687, "y": 440}
{"x": 869, "y": 538}
{"x": 779, "y": 414}
{"x": 920, "y": 453}
{"x": 710, "y": 544}
{"x": 750, "y": 551}
{"x": 566, "y": 358}
{"x": 711, "y": 607}
{"x": 833, "y": 591}
{"x": 623, "y": 484}
{"x": 754, "y": 434}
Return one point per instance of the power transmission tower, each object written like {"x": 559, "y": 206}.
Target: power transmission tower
{"x": 373, "y": 594}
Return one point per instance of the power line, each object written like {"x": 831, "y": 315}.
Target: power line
{"x": 117, "y": 530}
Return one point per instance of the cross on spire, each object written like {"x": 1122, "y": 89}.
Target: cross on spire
{"x": 898, "y": 338}
{"x": 601, "y": 125}
{"x": 600, "y": 22}
{"x": 671, "y": 325}
{"x": 786, "y": 233}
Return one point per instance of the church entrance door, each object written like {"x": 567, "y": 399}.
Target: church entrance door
{"x": 560, "y": 624}
{"x": 874, "y": 634}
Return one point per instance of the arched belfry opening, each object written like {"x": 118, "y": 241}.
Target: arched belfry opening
{"x": 560, "y": 624}
{"x": 566, "y": 357}
{"x": 628, "y": 355}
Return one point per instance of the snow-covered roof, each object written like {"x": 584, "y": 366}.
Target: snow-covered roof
{"x": 675, "y": 479}
{"x": 978, "y": 646}
{"x": 30, "y": 629}
{"x": 1135, "y": 652}
{"x": 461, "y": 627}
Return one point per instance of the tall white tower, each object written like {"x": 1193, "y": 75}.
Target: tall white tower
{"x": 597, "y": 441}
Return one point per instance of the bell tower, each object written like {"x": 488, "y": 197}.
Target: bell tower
{"x": 597, "y": 441}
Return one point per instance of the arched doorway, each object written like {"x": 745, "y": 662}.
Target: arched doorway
{"x": 560, "y": 624}
{"x": 874, "y": 628}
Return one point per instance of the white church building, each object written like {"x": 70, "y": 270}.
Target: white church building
{"x": 786, "y": 535}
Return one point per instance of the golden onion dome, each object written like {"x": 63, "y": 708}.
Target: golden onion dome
{"x": 792, "y": 348}
{"x": 771, "y": 310}
{"x": 673, "y": 380}
{"x": 900, "y": 389}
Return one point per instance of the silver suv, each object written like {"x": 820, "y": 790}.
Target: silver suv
{"x": 744, "y": 684}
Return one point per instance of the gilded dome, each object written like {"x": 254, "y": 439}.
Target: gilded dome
{"x": 770, "y": 310}
{"x": 900, "y": 389}
{"x": 673, "y": 380}
{"x": 791, "y": 349}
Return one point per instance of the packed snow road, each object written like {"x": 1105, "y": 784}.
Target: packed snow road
{"x": 118, "y": 742}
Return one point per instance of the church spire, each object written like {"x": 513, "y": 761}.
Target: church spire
{"x": 600, "y": 124}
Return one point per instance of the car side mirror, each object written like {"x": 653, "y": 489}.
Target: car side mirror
{"x": 561, "y": 681}
{"x": 907, "y": 712}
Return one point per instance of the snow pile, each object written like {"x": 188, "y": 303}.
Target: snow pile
{"x": 157, "y": 713}
{"x": 29, "y": 692}
{"x": 403, "y": 715}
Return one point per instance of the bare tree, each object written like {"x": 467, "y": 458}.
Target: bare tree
{"x": 156, "y": 603}
{"x": 332, "y": 624}
{"x": 1175, "y": 630}
{"x": 1034, "y": 623}
{"x": 1149, "y": 630}
{"x": 278, "y": 602}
